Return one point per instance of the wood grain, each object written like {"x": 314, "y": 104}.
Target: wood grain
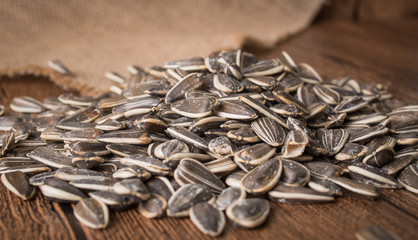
{"x": 373, "y": 52}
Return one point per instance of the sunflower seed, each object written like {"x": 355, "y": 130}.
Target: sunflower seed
{"x": 72, "y": 174}
{"x": 327, "y": 94}
{"x": 208, "y": 219}
{"x": 221, "y": 146}
{"x": 193, "y": 107}
{"x": 294, "y": 174}
{"x": 295, "y": 144}
{"x": 249, "y": 213}
{"x": 192, "y": 171}
{"x": 26, "y": 105}
{"x": 364, "y": 173}
{"x": 60, "y": 191}
{"x": 87, "y": 160}
{"x": 262, "y": 178}
{"x": 264, "y": 68}
{"x": 243, "y": 135}
{"x": 48, "y": 157}
{"x": 269, "y": 131}
{"x": 136, "y": 137}
{"x": 185, "y": 197}
{"x": 263, "y": 110}
{"x": 114, "y": 200}
{"x": 154, "y": 207}
{"x": 398, "y": 164}
{"x": 94, "y": 184}
{"x": 255, "y": 154}
{"x": 233, "y": 110}
{"x": 298, "y": 195}
{"x": 132, "y": 171}
{"x": 190, "y": 82}
{"x": 133, "y": 187}
{"x": 18, "y": 183}
{"x": 324, "y": 186}
{"x": 188, "y": 137}
{"x": 150, "y": 164}
{"x": 409, "y": 178}
{"x": 92, "y": 213}
{"x": 125, "y": 150}
{"x": 229, "y": 197}
{"x": 160, "y": 186}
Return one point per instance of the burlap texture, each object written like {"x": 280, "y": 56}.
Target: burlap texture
{"x": 93, "y": 36}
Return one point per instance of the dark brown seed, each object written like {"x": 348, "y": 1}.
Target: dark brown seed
{"x": 18, "y": 183}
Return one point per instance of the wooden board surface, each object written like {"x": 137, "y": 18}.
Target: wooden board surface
{"x": 374, "y": 52}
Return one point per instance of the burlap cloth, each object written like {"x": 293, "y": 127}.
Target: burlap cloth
{"x": 95, "y": 36}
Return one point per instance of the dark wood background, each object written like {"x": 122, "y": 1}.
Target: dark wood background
{"x": 371, "y": 49}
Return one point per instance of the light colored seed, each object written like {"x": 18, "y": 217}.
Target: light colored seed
{"x": 115, "y": 77}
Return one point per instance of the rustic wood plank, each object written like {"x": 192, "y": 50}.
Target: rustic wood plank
{"x": 372, "y": 52}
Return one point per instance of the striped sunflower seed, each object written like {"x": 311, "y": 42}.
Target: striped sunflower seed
{"x": 297, "y": 195}
{"x": 192, "y": 171}
{"x": 228, "y": 197}
{"x": 61, "y": 191}
{"x": 409, "y": 178}
{"x": 154, "y": 207}
{"x": 26, "y": 105}
{"x": 185, "y": 197}
{"x": 269, "y": 131}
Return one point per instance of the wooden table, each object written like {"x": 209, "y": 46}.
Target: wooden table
{"x": 383, "y": 52}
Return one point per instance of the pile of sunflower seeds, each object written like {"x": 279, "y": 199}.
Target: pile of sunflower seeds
{"x": 205, "y": 137}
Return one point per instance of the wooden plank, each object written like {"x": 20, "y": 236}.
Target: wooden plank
{"x": 372, "y": 52}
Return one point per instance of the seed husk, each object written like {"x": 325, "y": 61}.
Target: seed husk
{"x": 92, "y": 213}
{"x": 295, "y": 144}
{"x": 18, "y": 183}
{"x": 262, "y": 178}
{"x": 79, "y": 148}
{"x": 185, "y": 197}
{"x": 154, "y": 207}
{"x": 351, "y": 151}
{"x": 249, "y": 213}
{"x": 234, "y": 179}
{"x": 201, "y": 125}
{"x": 264, "y": 68}
{"x": 61, "y": 191}
{"x": 227, "y": 84}
{"x": 208, "y": 219}
{"x": 87, "y": 160}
